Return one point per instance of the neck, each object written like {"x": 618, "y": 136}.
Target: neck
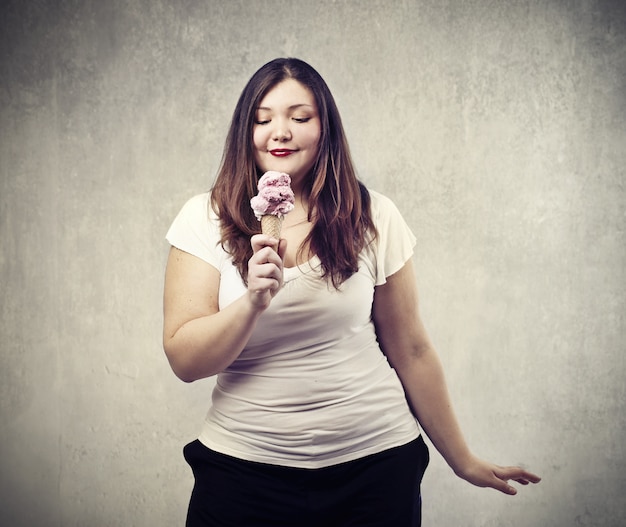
{"x": 299, "y": 214}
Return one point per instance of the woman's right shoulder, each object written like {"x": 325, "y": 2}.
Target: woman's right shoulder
{"x": 199, "y": 207}
{"x": 197, "y": 202}
{"x": 196, "y": 230}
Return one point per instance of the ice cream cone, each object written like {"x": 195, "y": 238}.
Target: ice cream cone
{"x": 271, "y": 225}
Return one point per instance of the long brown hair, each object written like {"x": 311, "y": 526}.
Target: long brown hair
{"x": 339, "y": 204}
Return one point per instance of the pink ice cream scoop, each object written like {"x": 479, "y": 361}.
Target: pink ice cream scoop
{"x": 275, "y": 197}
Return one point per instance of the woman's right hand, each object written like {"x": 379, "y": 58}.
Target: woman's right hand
{"x": 265, "y": 269}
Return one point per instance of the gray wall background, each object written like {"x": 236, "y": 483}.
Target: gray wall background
{"x": 497, "y": 127}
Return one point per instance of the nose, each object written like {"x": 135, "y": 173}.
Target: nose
{"x": 281, "y": 131}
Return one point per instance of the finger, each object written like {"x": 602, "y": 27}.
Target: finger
{"x": 266, "y": 271}
{"x": 259, "y": 241}
{"x": 503, "y": 486}
{"x": 268, "y": 274}
{"x": 508, "y": 490}
{"x": 517, "y": 474}
{"x": 532, "y": 478}
{"x": 266, "y": 255}
{"x": 261, "y": 286}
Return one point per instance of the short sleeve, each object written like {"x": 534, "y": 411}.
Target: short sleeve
{"x": 195, "y": 230}
{"x": 395, "y": 242}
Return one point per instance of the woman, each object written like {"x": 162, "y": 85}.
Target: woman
{"x": 324, "y": 367}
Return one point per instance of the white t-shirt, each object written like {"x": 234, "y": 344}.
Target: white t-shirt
{"x": 312, "y": 387}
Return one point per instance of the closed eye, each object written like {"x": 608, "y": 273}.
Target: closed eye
{"x": 301, "y": 119}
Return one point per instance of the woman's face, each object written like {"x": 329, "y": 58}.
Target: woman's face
{"x": 286, "y": 131}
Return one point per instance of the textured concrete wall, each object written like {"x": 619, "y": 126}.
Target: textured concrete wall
{"x": 497, "y": 127}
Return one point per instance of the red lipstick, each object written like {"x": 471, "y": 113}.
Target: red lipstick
{"x": 281, "y": 152}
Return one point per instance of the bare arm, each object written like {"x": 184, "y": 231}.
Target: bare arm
{"x": 199, "y": 339}
{"x": 404, "y": 340}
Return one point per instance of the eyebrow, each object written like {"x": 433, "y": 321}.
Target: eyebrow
{"x": 292, "y": 107}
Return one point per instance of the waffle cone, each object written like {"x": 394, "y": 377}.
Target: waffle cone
{"x": 271, "y": 225}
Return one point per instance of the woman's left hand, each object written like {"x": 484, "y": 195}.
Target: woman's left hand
{"x": 484, "y": 474}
